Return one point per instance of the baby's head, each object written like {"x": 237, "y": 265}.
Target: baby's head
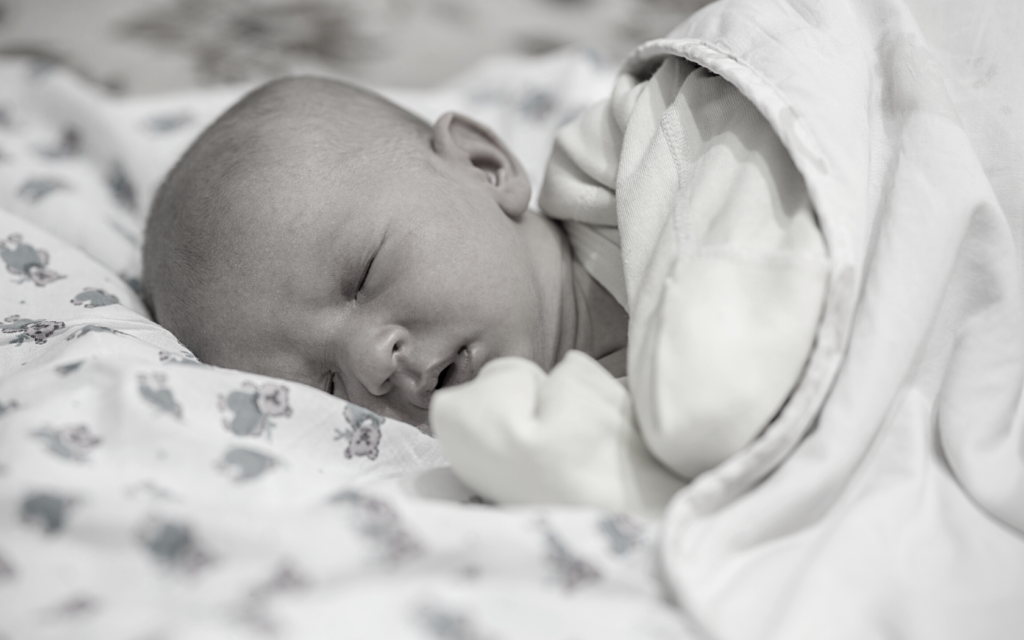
{"x": 316, "y": 232}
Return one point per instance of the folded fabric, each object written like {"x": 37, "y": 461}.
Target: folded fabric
{"x": 725, "y": 275}
{"x": 885, "y": 498}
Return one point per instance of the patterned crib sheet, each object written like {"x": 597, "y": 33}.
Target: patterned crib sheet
{"x": 146, "y": 495}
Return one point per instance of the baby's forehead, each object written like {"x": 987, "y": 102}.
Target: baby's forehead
{"x": 292, "y": 214}
{"x": 316, "y": 160}
{"x": 325, "y": 103}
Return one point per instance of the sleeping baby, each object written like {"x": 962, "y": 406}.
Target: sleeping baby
{"x": 650, "y": 321}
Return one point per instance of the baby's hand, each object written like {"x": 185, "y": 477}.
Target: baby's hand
{"x": 518, "y": 435}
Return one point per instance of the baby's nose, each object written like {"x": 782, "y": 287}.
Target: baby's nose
{"x": 383, "y": 350}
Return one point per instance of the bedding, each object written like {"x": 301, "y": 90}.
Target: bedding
{"x": 144, "y": 495}
{"x": 886, "y": 500}
{"x": 886, "y": 496}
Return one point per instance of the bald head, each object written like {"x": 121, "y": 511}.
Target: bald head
{"x": 293, "y": 133}
{"x": 320, "y": 234}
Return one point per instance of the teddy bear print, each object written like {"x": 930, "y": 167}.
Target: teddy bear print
{"x": 121, "y": 187}
{"x": 6, "y": 570}
{"x": 67, "y": 145}
{"x": 35, "y": 189}
{"x": 168, "y": 122}
{"x": 92, "y": 328}
{"x": 245, "y": 464}
{"x": 174, "y": 545}
{"x": 168, "y": 357}
{"x": 255, "y": 609}
{"x": 448, "y": 624}
{"x": 248, "y": 411}
{"x": 69, "y": 368}
{"x": 74, "y": 442}
{"x": 377, "y": 521}
{"x": 78, "y": 605}
{"x": 46, "y": 511}
{"x": 569, "y": 569}
{"x": 28, "y": 329}
{"x": 26, "y": 261}
{"x": 153, "y": 389}
{"x": 91, "y": 298}
{"x": 150, "y": 490}
{"x": 363, "y": 434}
{"x": 622, "y": 533}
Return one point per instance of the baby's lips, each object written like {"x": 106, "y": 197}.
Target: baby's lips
{"x": 421, "y": 395}
{"x": 464, "y": 368}
{"x": 428, "y": 382}
{"x": 460, "y": 368}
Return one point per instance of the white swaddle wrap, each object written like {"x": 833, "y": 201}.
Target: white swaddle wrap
{"x": 724, "y": 280}
{"x": 885, "y": 499}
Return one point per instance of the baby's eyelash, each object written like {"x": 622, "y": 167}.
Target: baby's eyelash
{"x": 366, "y": 274}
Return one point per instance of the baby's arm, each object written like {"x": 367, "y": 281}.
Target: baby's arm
{"x": 518, "y": 435}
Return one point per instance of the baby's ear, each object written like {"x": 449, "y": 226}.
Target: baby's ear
{"x": 472, "y": 146}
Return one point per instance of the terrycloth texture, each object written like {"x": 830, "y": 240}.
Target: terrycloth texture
{"x": 724, "y": 281}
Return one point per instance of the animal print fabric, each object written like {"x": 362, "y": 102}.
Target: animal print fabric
{"x": 146, "y": 495}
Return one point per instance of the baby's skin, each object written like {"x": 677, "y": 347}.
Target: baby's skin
{"x": 318, "y": 233}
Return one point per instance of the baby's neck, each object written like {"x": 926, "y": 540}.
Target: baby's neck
{"x": 588, "y": 317}
{"x": 601, "y": 323}
{"x": 592, "y": 320}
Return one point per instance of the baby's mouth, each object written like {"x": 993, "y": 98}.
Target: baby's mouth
{"x": 457, "y": 372}
{"x": 445, "y": 376}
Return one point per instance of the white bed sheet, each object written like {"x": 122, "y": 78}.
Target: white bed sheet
{"x": 145, "y": 495}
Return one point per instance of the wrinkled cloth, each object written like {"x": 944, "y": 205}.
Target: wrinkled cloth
{"x": 722, "y": 270}
{"x": 887, "y": 498}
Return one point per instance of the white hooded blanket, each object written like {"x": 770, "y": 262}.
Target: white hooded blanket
{"x": 886, "y": 498}
{"x": 895, "y": 501}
